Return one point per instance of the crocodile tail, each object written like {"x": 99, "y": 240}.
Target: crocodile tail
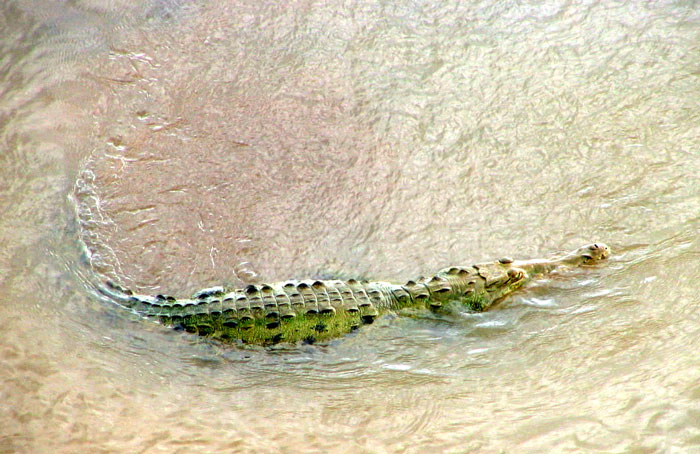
{"x": 116, "y": 292}
{"x": 149, "y": 306}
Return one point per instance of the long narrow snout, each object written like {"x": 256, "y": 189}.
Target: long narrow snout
{"x": 585, "y": 255}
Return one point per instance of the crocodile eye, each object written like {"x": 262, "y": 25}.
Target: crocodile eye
{"x": 515, "y": 274}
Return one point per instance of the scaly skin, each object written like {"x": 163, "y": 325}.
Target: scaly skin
{"x": 316, "y": 311}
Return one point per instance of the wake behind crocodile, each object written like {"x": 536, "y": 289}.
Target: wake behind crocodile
{"x": 321, "y": 310}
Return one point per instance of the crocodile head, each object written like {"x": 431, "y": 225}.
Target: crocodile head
{"x": 587, "y": 255}
{"x": 583, "y": 256}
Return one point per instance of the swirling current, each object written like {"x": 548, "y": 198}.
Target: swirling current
{"x": 171, "y": 146}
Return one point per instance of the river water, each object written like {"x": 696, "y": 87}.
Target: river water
{"x": 174, "y": 145}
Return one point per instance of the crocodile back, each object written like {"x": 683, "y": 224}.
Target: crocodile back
{"x": 292, "y": 311}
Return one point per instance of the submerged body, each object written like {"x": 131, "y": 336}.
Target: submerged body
{"x": 314, "y": 310}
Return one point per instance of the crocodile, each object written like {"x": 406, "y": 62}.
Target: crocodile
{"x": 308, "y": 311}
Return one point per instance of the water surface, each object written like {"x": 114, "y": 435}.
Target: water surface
{"x": 173, "y": 146}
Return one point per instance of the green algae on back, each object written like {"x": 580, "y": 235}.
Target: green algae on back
{"x": 318, "y": 311}
{"x": 309, "y": 329}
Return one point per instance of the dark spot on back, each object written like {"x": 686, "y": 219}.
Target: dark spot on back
{"x": 320, "y": 327}
{"x": 368, "y": 319}
{"x": 204, "y": 329}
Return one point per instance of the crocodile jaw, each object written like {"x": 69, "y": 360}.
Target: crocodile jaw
{"x": 590, "y": 254}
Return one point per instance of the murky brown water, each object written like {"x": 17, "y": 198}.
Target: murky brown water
{"x": 192, "y": 144}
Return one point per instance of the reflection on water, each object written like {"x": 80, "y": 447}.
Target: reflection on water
{"x": 237, "y": 142}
